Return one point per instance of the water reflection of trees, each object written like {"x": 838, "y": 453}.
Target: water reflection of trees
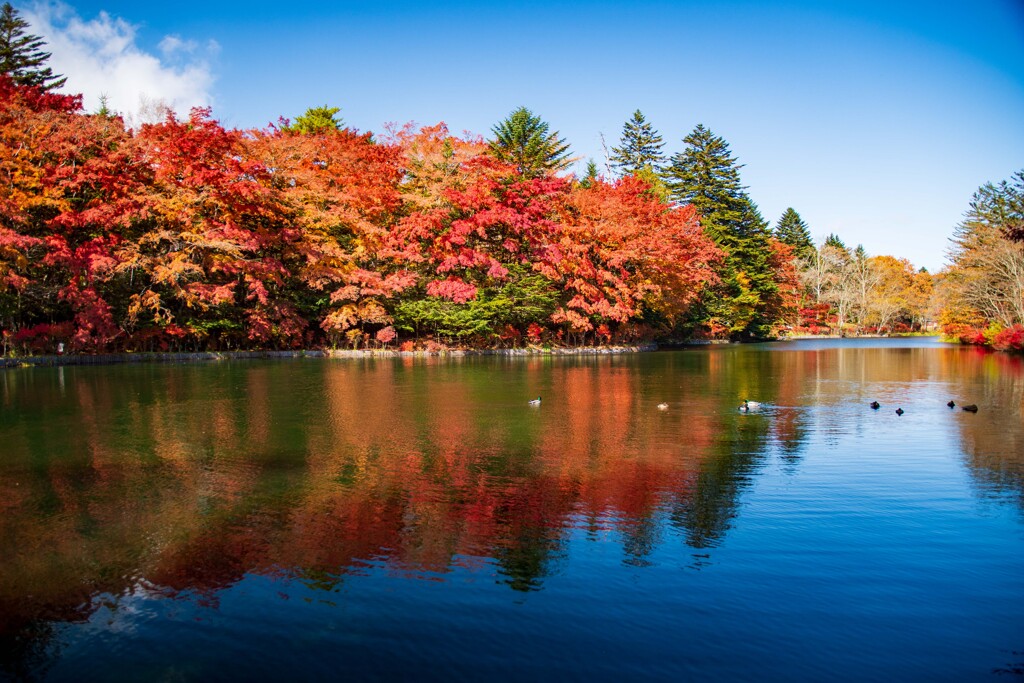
{"x": 183, "y": 480}
{"x": 993, "y": 438}
{"x": 186, "y": 479}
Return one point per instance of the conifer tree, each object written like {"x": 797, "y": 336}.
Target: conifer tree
{"x": 792, "y": 230}
{"x": 104, "y": 109}
{"x": 591, "y": 175}
{"x": 524, "y": 140}
{"x": 317, "y": 120}
{"x": 833, "y": 240}
{"x": 21, "y": 54}
{"x": 639, "y": 148}
{"x": 1002, "y": 205}
{"x": 706, "y": 176}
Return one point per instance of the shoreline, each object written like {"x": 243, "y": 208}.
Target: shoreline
{"x": 199, "y": 356}
{"x": 53, "y": 360}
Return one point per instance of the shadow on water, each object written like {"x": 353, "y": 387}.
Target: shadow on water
{"x": 179, "y": 482}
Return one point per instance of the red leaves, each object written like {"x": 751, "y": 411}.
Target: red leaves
{"x": 784, "y": 302}
{"x": 995, "y": 336}
{"x": 452, "y": 288}
{"x": 1009, "y": 339}
{"x": 624, "y": 249}
{"x": 94, "y": 322}
{"x": 37, "y": 99}
{"x": 187, "y": 230}
{"x": 206, "y": 295}
{"x": 477, "y": 216}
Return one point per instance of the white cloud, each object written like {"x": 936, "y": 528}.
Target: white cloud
{"x": 174, "y": 44}
{"x": 100, "y": 57}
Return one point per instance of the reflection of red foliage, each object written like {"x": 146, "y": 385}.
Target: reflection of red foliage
{"x": 368, "y": 490}
{"x": 390, "y": 477}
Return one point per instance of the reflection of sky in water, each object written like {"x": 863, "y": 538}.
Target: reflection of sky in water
{"x": 421, "y": 512}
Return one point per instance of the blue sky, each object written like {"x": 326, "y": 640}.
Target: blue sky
{"x": 874, "y": 120}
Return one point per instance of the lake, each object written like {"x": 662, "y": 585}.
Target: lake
{"x": 415, "y": 518}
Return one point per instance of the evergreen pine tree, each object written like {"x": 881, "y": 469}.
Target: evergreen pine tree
{"x": 833, "y": 240}
{"x": 706, "y": 176}
{"x": 104, "y": 110}
{"x": 317, "y": 120}
{"x": 640, "y": 147}
{"x": 1002, "y": 205}
{"x": 524, "y": 140}
{"x": 792, "y": 230}
{"x": 21, "y": 54}
{"x": 591, "y": 174}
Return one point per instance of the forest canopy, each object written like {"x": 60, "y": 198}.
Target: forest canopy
{"x": 184, "y": 234}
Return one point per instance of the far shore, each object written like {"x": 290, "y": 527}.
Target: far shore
{"x": 860, "y": 336}
{"x": 53, "y": 360}
{"x": 162, "y": 357}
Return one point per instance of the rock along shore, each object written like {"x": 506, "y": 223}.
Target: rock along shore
{"x": 145, "y": 357}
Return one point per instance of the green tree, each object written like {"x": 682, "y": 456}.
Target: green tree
{"x": 21, "y": 54}
{"x": 706, "y": 176}
{"x": 317, "y": 120}
{"x": 833, "y": 240}
{"x": 792, "y": 230}
{"x": 524, "y": 140}
{"x": 104, "y": 110}
{"x": 640, "y": 147}
{"x": 525, "y": 297}
{"x": 1001, "y": 206}
{"x": 591, "y": 174}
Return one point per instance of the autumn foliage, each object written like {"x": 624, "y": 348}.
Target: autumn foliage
{"x": 183, "y": 234}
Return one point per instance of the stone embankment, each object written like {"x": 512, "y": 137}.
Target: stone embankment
{"x": 113, "y": 358}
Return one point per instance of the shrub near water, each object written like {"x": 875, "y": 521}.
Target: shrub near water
{"x": 1009, "y": 339}
{"x": 994, "y": 336}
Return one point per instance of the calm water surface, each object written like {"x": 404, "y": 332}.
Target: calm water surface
{"x": 398, "y": 519}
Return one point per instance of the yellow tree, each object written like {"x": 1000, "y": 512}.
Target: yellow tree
{"x": 891, "y": 294}
{"x": 922, "y": 294}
